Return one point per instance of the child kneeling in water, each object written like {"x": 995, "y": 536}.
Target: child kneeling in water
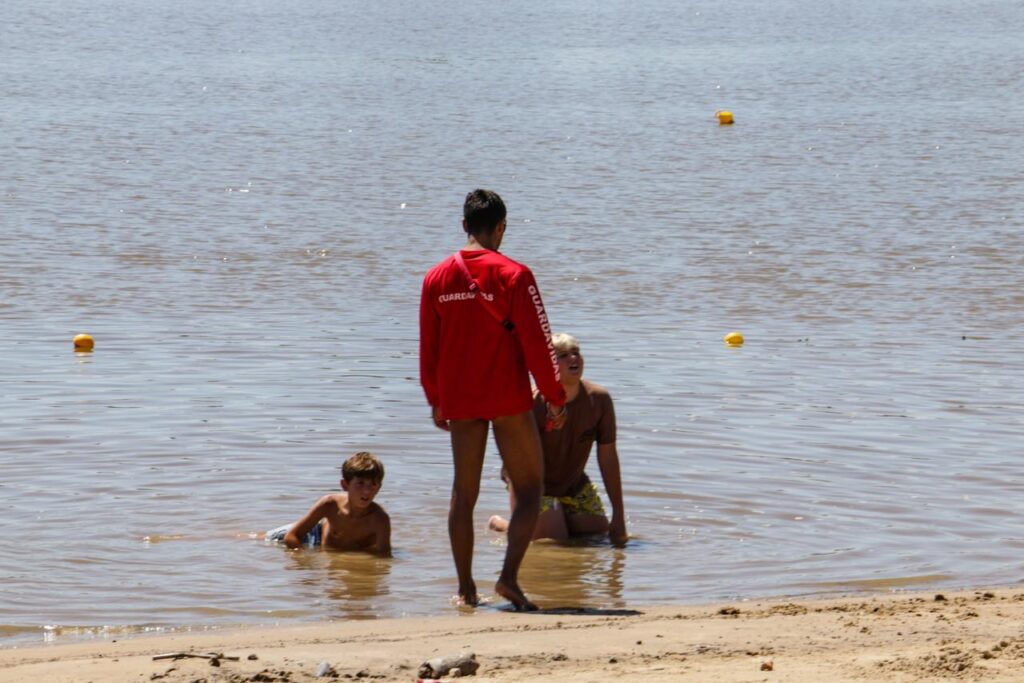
{"x": 345, "y": 521}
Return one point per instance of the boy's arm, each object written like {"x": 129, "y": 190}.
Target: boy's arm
{"x": 608, "y": 461}
{"x": 293, "y": 539}
{"x": 382, "y": 546}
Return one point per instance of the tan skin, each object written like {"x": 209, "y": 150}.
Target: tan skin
{"x": 519, "y": 445}
{"x": 352, "y": 521}
{"x": 556, "y": 523}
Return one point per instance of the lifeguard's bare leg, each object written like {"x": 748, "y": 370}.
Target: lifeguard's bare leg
{"x": 519, "y": 445}
{"x": 469, "y": 441}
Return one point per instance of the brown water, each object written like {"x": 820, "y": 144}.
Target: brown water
{"x": 239, "y": 201}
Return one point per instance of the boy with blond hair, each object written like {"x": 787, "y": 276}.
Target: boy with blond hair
{"x": 571, "y": 504}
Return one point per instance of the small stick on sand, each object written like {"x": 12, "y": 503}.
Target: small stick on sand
{"x": 196, "y": 655}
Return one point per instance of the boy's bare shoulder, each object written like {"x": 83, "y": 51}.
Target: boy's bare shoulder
{"x": 595, "y": 389}
{"x": 332, "y": 500}
{"x": 378, "y": 513}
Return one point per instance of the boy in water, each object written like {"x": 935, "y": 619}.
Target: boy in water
{"x": 349, "y": 520}
{"x": 571, "y": 504}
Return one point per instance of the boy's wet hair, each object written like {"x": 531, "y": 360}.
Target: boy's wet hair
{"x": 363, "y": 464}
{"x": 564, "y": 342}
{"x": 483, "y": 211}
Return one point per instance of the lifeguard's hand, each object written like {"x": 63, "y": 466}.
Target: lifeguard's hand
{"x": 439, "y": 422}
{"x": 556, "y": 417}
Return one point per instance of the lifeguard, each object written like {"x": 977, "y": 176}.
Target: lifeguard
{"x": 483, "y": 332}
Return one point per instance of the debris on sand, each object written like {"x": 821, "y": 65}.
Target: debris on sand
{"x": 464, "y": 663}
{"x": 325, "y": 669}
{"x": 218, "y": 656}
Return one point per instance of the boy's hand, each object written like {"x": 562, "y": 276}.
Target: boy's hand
{"x": 439, "y": 421}
{"x": 556, "y": 417}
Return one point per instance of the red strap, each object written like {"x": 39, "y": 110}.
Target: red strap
{"x": 489, "y": 305}
{"x": 465, "y": 271}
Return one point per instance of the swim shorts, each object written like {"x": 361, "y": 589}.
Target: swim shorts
{"x": 586, "y": 502}
{"x": 313, "y": 539}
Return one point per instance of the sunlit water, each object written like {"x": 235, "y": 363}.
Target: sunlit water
{"x": 238, "y": 200}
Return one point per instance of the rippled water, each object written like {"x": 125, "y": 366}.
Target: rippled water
{"x": 238, "y": 200}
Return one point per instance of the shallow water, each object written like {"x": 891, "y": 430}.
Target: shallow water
{"x": 238, "y": 201}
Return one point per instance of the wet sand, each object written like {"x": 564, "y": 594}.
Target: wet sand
{"x": 972, "y": 635}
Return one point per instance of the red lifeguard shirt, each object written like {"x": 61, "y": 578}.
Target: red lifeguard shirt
{"x": 471, "y": 367}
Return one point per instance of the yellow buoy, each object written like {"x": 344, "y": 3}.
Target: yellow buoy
{"x": 734, "y": 339}
{"x": 83, "y": 342}
{"x": 724, "y": 117}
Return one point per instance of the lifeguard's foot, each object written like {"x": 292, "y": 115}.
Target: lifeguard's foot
{"x": 467, "y": 595}
{"x": 515, "y": 595}
{"x": 497, "y": 523}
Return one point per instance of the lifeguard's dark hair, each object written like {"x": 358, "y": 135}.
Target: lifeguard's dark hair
{"x": 363, "y": 464}
{"x": 483, "y": 211}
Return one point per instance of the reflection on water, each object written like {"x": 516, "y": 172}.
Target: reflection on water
{"x": 351, "y": 584}
{"x": 561, "y": 576}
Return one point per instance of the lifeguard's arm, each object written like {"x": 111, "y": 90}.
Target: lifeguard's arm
{"x": 534, "y": 332}
{"x": 608, "y": 461}
{"x": 293, "y": 539}
{"x": 430, "y": 332}
{"x": 382, "y": 546}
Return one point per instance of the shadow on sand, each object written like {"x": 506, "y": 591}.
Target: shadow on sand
{"x": 591, "y": 611}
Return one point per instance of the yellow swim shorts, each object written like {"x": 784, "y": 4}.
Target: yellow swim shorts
{"x": 586, "y": 502}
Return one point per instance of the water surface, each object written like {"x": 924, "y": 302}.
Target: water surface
{"x": 238, "y": 200}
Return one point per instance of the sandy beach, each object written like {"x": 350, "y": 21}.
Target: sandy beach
{"x": 972, "y": 635}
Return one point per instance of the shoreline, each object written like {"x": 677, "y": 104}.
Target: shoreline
{"x": 912, "y": 636}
